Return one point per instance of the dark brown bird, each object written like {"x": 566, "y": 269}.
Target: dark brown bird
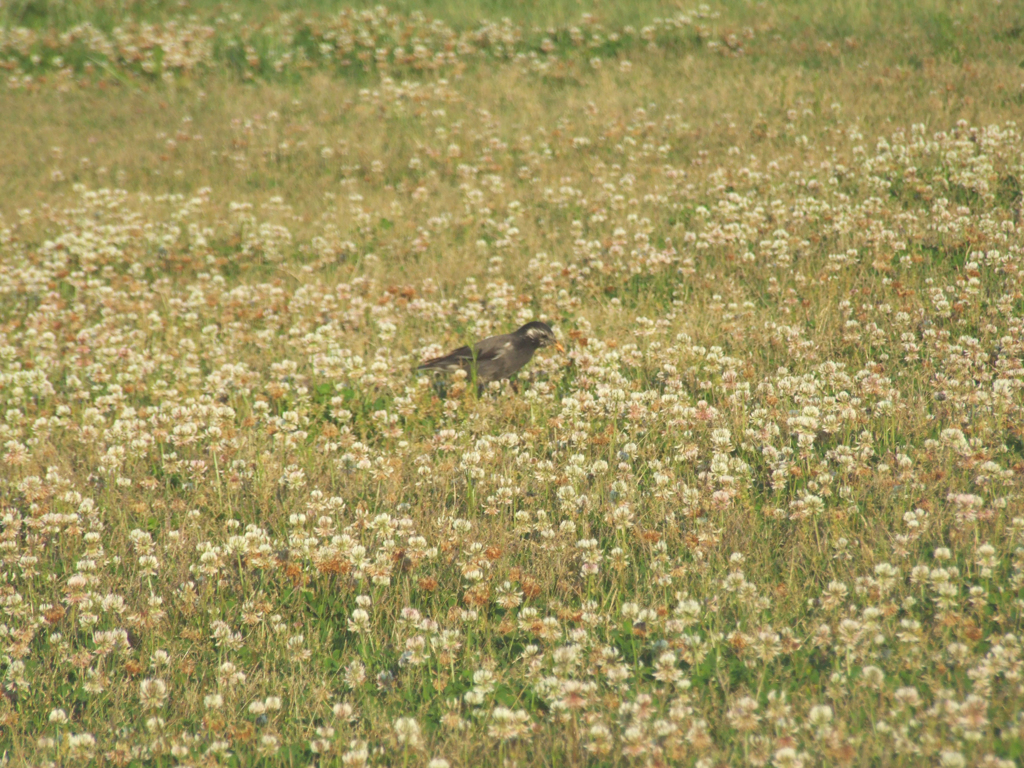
{"x": 498, "y": 357}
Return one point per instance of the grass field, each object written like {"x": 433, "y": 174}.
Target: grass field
{"x": 765, "y": 509}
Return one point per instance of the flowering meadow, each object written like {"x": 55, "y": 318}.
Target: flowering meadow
{"x": 766, "y": 509}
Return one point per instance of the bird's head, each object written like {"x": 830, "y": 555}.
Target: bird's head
{"x": 540, "y": 335}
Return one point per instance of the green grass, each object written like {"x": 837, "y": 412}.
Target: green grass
{"x": 769, "y": 488}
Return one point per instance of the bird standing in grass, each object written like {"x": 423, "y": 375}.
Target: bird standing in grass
{"x": 497, "y": 357}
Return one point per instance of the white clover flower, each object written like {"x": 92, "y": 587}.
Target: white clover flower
{"x": 820, "y": 715}
{"x": 407, "y": 732}
{"x": 872, "y": 676}
{"x": 152, "y": 693}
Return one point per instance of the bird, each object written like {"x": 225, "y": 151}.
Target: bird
{"x": 497, "y": 357}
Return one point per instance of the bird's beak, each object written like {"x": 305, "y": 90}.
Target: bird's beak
{"x": 559, "y": 347}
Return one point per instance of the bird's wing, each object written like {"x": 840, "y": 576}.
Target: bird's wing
{"x": 488, "y": 349}
{"x": 454, "y": 359}
{"x": 493, "y": 348}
